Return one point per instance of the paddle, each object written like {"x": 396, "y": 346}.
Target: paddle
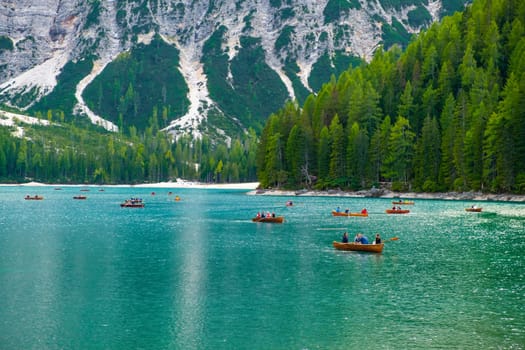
{"x": 392, "y": 239}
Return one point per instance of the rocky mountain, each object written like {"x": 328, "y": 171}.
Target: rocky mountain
{"x": 215, "y": 67}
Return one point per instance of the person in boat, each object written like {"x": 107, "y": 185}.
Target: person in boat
{"x": 273, "y": 215}
{"x": 377, "y": 240}
{"x": 338, "y": 210}
{"x": 360, "y": 239}
{"x": 398, "y": 208}
{"x": 347, "y": 211}
{"x": 364, "y": 211}
{"x": 345, "y": 238}
{"x": 258, "y": 215}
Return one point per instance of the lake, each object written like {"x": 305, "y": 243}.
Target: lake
{"x": 198, "y": 274}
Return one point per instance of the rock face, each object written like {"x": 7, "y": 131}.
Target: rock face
{"x": 39, "y": 37}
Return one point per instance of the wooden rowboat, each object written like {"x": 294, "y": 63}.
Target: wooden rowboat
{"x": 34, "y": 198}
{"x": 79, "y": 197}
{"x": 372, "y": 248}
{"x": 474, "y": 210}
{"x": 335, "y": 213}
{"x": 397, "y": 211}
{"x": 132, "y": 203}
{"x": 404, "y": 202}
{"x": 274, "y": 219}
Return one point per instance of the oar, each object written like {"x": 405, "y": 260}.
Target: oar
{"x": 392, "y": 239}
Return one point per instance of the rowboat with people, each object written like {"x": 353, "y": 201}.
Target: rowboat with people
{"x": 272, "y": 219}
{"x": 397, "y": 211}
{"x": 339, "y": 213}
{"x": 474, "y": 209}
{"x": 372, "y": 248}
{"x": 403, "y": 202}
{"x": 79, "y": 197}
{"x": 33, "y": 198}
{"x": 132, "y": 203}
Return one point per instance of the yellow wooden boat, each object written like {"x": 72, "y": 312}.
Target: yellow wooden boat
{"x": 397, "y": 211}
{"x": 338, "y": 213}
{"x": 403, "y": 202}
{"x": 474, "y": 210}
{"x": 274, "y": 219}
{"x": 372, "y": 248}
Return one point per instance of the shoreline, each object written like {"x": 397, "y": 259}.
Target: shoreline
{"x": 176, "y": 184}
{"x": 458, "y": 196}
{"x": 252, "y": 188}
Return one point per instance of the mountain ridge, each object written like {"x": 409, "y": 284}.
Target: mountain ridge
{"x": 291, "y": 38}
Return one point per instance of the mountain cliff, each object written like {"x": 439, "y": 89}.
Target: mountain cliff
{"x": 215, "y": 67}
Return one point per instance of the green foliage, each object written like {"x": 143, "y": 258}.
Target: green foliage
{"x": 6, "y": 44}
{"x": 138, "y": 82}
{"x": 254, "y": 91}
{"x": 328, "y": 65}
{"x": 291, "y": 69}
{"x": 398, "y": 4}
{"x": 285, "y": 38}
{"x": 394, "y": 34}
{"x": 458, "y": 94}
{"x": 286, "y": 13}
{"x": 275, "y": 3}
{"x": 72, "y": 154}
{"x": 451, "y": 6}
{"x": 62, "y": 99}
{"x": 335, "y": 9}
{"x": 93, "y": 17}
{"x": 419, "y": 17}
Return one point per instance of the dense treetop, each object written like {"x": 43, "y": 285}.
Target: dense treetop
{"x": 446, "y": 114}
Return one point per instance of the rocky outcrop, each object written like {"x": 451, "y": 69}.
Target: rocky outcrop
{"x": 49, "y": 33}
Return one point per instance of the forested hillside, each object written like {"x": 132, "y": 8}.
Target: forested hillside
{"x": 446, "y": 114}
{"x": 71, "y": 152}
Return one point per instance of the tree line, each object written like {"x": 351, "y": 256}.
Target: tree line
{"x": 446, "y": 114}
{"x": 70, "y": 153}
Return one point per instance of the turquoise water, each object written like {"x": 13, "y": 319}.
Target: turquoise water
{"x": 198, "y": 274}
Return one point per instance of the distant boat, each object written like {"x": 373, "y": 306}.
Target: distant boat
{"x": 289, "y": 204}
{"x": 79, "y": 197}
{"x": 372, "y": 248}
{"x": 132, "y": 203}
{"x": 274, "y": 219}
{"x": 403, "y": 202}
{"x": 177, "y": 198}
{"x": 474, "y": 210}
{"x": 34, "y": 198}
{"x": 397, "y": 211}
{"x": 338, "y": 213}
{"x": 85, "y": 190}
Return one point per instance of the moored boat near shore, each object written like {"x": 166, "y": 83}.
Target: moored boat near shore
{"x": 372, "y": 248}
{"x": 273, "y": 219}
